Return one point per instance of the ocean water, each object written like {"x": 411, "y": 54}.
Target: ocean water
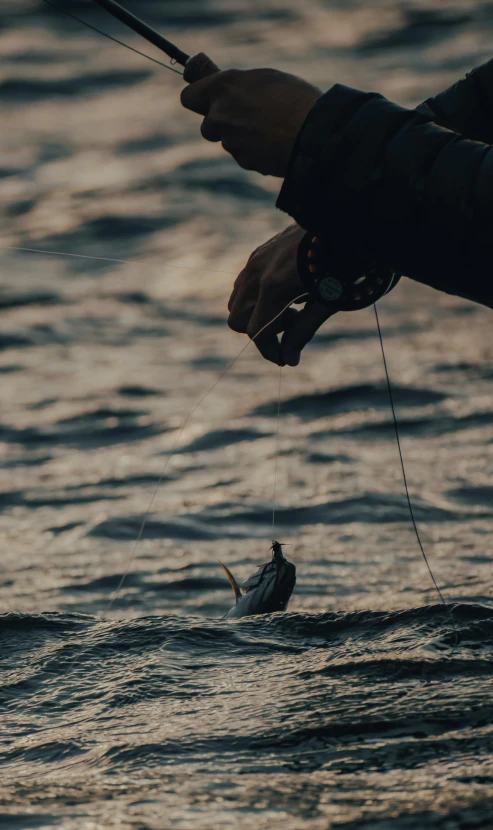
{"x": 368, "y": 704}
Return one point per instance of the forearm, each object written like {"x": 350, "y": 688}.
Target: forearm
{"x": 399, "y": 190}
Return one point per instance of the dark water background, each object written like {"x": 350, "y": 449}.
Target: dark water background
{"x": 368, "y": 705}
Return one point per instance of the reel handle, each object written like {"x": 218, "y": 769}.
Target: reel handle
{"x": 198, "y": 67}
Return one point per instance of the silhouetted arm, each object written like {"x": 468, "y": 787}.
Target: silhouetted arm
{"x": 398, "y": 189}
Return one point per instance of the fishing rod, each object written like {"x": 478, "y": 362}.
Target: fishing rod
{"x": 347, "y": 287}
{"x": 340, "y": 284}
{"x": 196, "y": 67}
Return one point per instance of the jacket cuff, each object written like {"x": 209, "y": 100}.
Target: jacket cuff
{"x": 303, "y": 196}
{"x": 337, "y": 164}
{"x": 391, "y": 187}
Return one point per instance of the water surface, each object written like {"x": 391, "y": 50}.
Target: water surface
{"x": 367, "y": 705}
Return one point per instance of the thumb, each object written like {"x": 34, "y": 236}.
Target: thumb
{"x": 199, "y": 67}
{"x": 308, "y": 322}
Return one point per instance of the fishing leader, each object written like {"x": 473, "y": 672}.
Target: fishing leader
{"x": 411, "y": 190}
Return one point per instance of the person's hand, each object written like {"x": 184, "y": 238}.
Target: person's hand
{"x": 267, "y": 284}
{"x": 255, "y": 114}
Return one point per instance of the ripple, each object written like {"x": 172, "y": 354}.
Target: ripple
{"x": 22, "y": 91}
{"x": 218, "y": 439}
{"x": 101, "y": 427}
{"x": 350, "y": 399}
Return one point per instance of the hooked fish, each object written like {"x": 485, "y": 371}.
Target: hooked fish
{"x": 267, "y": 590}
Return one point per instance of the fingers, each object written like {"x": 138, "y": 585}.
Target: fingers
{"x": 240, "y": 316}
{"x": 199, "y": 67}
{"x": 256, "y": 318}
{"x": 267, "y": 341}
{"x": 267, "y": 320}
{"x": 261, "y": 295}
{"x": 210, "y": 96}
{"x": 269, "y": 347}
{"x": 268, "y": 305}
{"x": 199, "y": 95}
{"x": 236, "y": 288}
{"x": 211, "y": 130}
{"x": 243, "y": 299}
{"x": 252, "y": 314}
{"x": 308, "y": 322}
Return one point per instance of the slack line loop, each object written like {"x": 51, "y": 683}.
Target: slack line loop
{"x": 401, "y": 457}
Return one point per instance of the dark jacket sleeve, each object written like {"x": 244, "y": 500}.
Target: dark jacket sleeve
{"x": 393, "y": 187}
{"x": 467, "y": 106}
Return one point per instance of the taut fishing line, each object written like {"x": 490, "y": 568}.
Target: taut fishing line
{"x": 110, "y": 37}
{"x": 401, "y": 457}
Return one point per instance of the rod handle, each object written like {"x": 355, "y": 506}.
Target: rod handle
{"x": 198, "y": 67}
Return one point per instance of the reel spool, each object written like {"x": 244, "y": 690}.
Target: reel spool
{"x": 342, "y": 288}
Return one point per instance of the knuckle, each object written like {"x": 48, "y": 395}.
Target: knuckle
{"x": 257, "y": 336}
{"x": 230, "y": 77}
{"x": 234, "y": 296}
{"x": 235, "y": 324}
{"x": 260, "y": 329}
{"x": 231, "y": 148}
{"x": 256, "y": 256}
{"x": 250, "y": 270}
{"x": 212, "y": 129}
{"x": 240, "y": 279}
{"x": 206, "y": 129}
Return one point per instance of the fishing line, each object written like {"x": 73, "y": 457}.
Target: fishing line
{"x": 110, "y": 37}
{"x": 387, "y": 375}
{"x": 218, "y": 381}
{"x": 81, "y": 652}
{"x": 110, "y": 259}
{"x": 277, "y": 455}
{"x": 401, "y": 457}
{"x": 131, "y": 560}
{"x": 94, "y": 761}
{"x": 184, "y": 425}
{"x": 175, "y": 444}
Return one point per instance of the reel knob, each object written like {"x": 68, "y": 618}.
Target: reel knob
{"x": 345, "y": 286}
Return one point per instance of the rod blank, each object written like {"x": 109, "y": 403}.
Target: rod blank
{"x": 146, "y": 31}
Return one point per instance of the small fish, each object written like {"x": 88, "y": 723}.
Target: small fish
{"x": 267, "y": 590}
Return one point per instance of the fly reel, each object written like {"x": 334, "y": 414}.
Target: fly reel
{"x": 342, "y": 287}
